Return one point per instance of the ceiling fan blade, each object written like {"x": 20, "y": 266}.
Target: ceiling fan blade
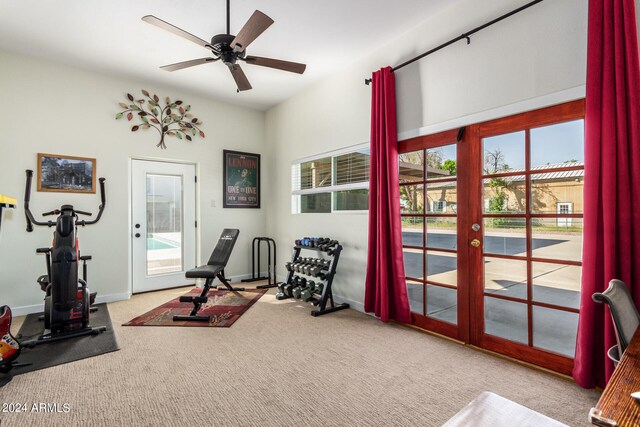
{"x": 175, "y": 30}
{"x": 279, "y": 64}
{"x": 241, "y": 79}
{"x": 186, "y": 64}
{"x": 255, "y": 26}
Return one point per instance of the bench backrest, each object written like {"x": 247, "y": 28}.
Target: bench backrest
{"x": 223, "y": 249}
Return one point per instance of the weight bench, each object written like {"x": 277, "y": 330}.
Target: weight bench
{"x": 212, "y": 270}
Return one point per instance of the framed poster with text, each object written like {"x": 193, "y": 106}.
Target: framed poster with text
{"x": 241, "y": 182}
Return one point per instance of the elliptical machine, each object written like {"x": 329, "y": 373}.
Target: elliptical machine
{"x": 67, "y": 301}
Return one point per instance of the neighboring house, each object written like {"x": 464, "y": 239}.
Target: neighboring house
{"x": 551, "y": 192}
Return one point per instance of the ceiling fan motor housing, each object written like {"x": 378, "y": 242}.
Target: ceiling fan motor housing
{"x": 221, "y": 45}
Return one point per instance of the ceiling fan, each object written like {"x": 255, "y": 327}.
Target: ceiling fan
{"x": 229, "y": 48}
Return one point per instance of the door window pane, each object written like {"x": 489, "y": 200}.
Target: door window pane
{"x": 506, "y": 319}
{"x": 555, "y": 330}
{"x": 412, "y": 199}
{"x": 411, "y": 166}
{"x": 442, "y": 267}
{"x": 412, "y": 231}
{"x": 442, "y": 197}
{"x": 413, "y": 263}
{"x": 506, "y": 277}
{"x": 416, "y": 298}
{"x": 505, "y": 236}
{"x": 442, "y": 303}
{"x": 441, "y": 162}
{"x": 557, "y": 284}
{"x": 503, "y": 153}
{"x": 504, "y": 195}
{"x": 558, "y": 145}
{"x": 164, "y": 224}
{"x": 557, "y": 192}
{"x": 442, "y": 233}
{"x": 557, "y": 238}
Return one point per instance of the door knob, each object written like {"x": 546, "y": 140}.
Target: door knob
{"x": 475, "y": 243}
{"x": 475, "y": 227}
{"x": 137, "y": 234}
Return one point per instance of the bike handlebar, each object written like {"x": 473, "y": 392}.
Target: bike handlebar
{"x": 31, "y": 221}
{"x": 101, "y": 207}
{"x": 27, "y": 197}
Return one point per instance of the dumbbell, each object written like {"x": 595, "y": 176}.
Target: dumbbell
{"x": 307, "y": 293}
{"x": 299, "y": 263}
{"x": 318, "y": 268}
{"x": 319, "y": 287}
{"x": 290, "y": 266}
{"x": 309, "y": 265}
{"x": 288, "y": 288}
{"x": 328, "y": 245}
{"x": 322, "y": 241}
{"x": 296, "y": 292}
{"x": 303, "y": 262}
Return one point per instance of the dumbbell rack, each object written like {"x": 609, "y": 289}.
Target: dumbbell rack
{"x": 327, "y": 295}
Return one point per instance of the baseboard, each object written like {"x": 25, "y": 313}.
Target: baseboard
{"x": 356, "y": 305}
{"x": 112, "y": 298}
{"x": 27, "y": 309}
{"x": 38, "y": 308}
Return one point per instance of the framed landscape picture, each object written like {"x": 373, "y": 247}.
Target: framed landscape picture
{"x": 66, "y": 174}
{"x": 241, "y": 179}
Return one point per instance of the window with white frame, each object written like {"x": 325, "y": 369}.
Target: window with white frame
{"x": 333, "y": 182}
{"x": 439, "y": 205}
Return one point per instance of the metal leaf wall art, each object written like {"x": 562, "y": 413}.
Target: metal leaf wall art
{"x": 173, "y": 119}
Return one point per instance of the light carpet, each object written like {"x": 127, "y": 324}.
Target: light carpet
{"x": 279, "y": 366}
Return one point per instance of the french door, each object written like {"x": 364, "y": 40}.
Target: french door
{"x": 163, "y": 236}
{"x": 492, "y": 233}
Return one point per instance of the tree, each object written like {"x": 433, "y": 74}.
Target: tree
{"x": 494, "y": 162}
{"x": 161, "y": 118}
{"x": 449, "y": 165}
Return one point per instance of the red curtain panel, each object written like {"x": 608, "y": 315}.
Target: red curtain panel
{"x": 611, "y": 245}
{"x": 385, "y": 288}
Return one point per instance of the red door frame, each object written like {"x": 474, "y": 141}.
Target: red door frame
{"x": 470, "y": 325}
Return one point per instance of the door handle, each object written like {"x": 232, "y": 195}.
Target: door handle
{"x": 475, "y": 243}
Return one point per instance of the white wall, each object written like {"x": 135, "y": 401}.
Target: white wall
{"x": 53, "y": 108}
{"x": 530, "y": 60}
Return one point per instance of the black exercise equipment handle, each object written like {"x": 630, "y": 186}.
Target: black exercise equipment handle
{"x": 100, "y": 208}
{"x": 53, "y": 212}
{"x": 83, "y": 213}
{"x": 27, "y": 196}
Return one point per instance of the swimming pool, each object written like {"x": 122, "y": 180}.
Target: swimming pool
{"x": 155, "y": 244}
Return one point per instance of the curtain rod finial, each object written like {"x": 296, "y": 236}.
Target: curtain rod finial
{"x": 367, "y": 81}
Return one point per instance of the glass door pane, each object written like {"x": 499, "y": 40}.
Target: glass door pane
{"x": 164, "y": 224}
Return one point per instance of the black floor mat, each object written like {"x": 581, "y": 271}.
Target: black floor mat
{"x": 65, "y": 351}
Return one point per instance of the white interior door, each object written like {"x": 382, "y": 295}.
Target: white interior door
{"x": 163, "y": 234}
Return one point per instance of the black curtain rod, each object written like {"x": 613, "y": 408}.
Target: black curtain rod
{"x": 464, "y": 36}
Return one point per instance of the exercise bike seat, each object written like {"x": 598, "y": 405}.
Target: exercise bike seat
{"x": 204, "y": 272}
